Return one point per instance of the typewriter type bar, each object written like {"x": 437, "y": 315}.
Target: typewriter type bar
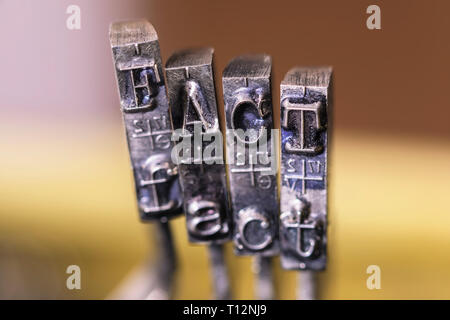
{"x": 145, "y": 110}
{"x": 305, "y": 107}
{"x": 251, "y": 156}
{"x": 192, "y": 96}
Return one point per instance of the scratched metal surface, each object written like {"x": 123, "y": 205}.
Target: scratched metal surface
{"x": 305, "y": 104}
{"x": 192, "y": 96}
{"x": 145, "y": 110}
{"x": 253, "y": 187}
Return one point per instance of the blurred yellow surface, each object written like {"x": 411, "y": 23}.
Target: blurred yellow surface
{"x": 71, "y": 201}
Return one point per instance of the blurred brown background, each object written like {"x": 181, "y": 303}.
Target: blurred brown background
{"x": 66, "y": 195}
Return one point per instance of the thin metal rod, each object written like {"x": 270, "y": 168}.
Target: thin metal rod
{"x": 221, "y": 282}
{"x": 166, "y": 263}
{"x": 262, "y": 268}
{"x": 306, "y": 286}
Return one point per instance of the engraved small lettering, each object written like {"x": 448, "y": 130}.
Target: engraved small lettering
{"x": 291, "y": 165}
{"x": 292, "y": 179}
{"x": 264, "y": 182}
{"x": 251, "y": 171}
{"x": 159, "y": 138}
{"x": 314, "y": 166}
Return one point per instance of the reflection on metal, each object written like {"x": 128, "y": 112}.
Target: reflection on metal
{"x": 192, "y": 96}
{"x": 145, "y": 110}
{"x": 253, "y": 185}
